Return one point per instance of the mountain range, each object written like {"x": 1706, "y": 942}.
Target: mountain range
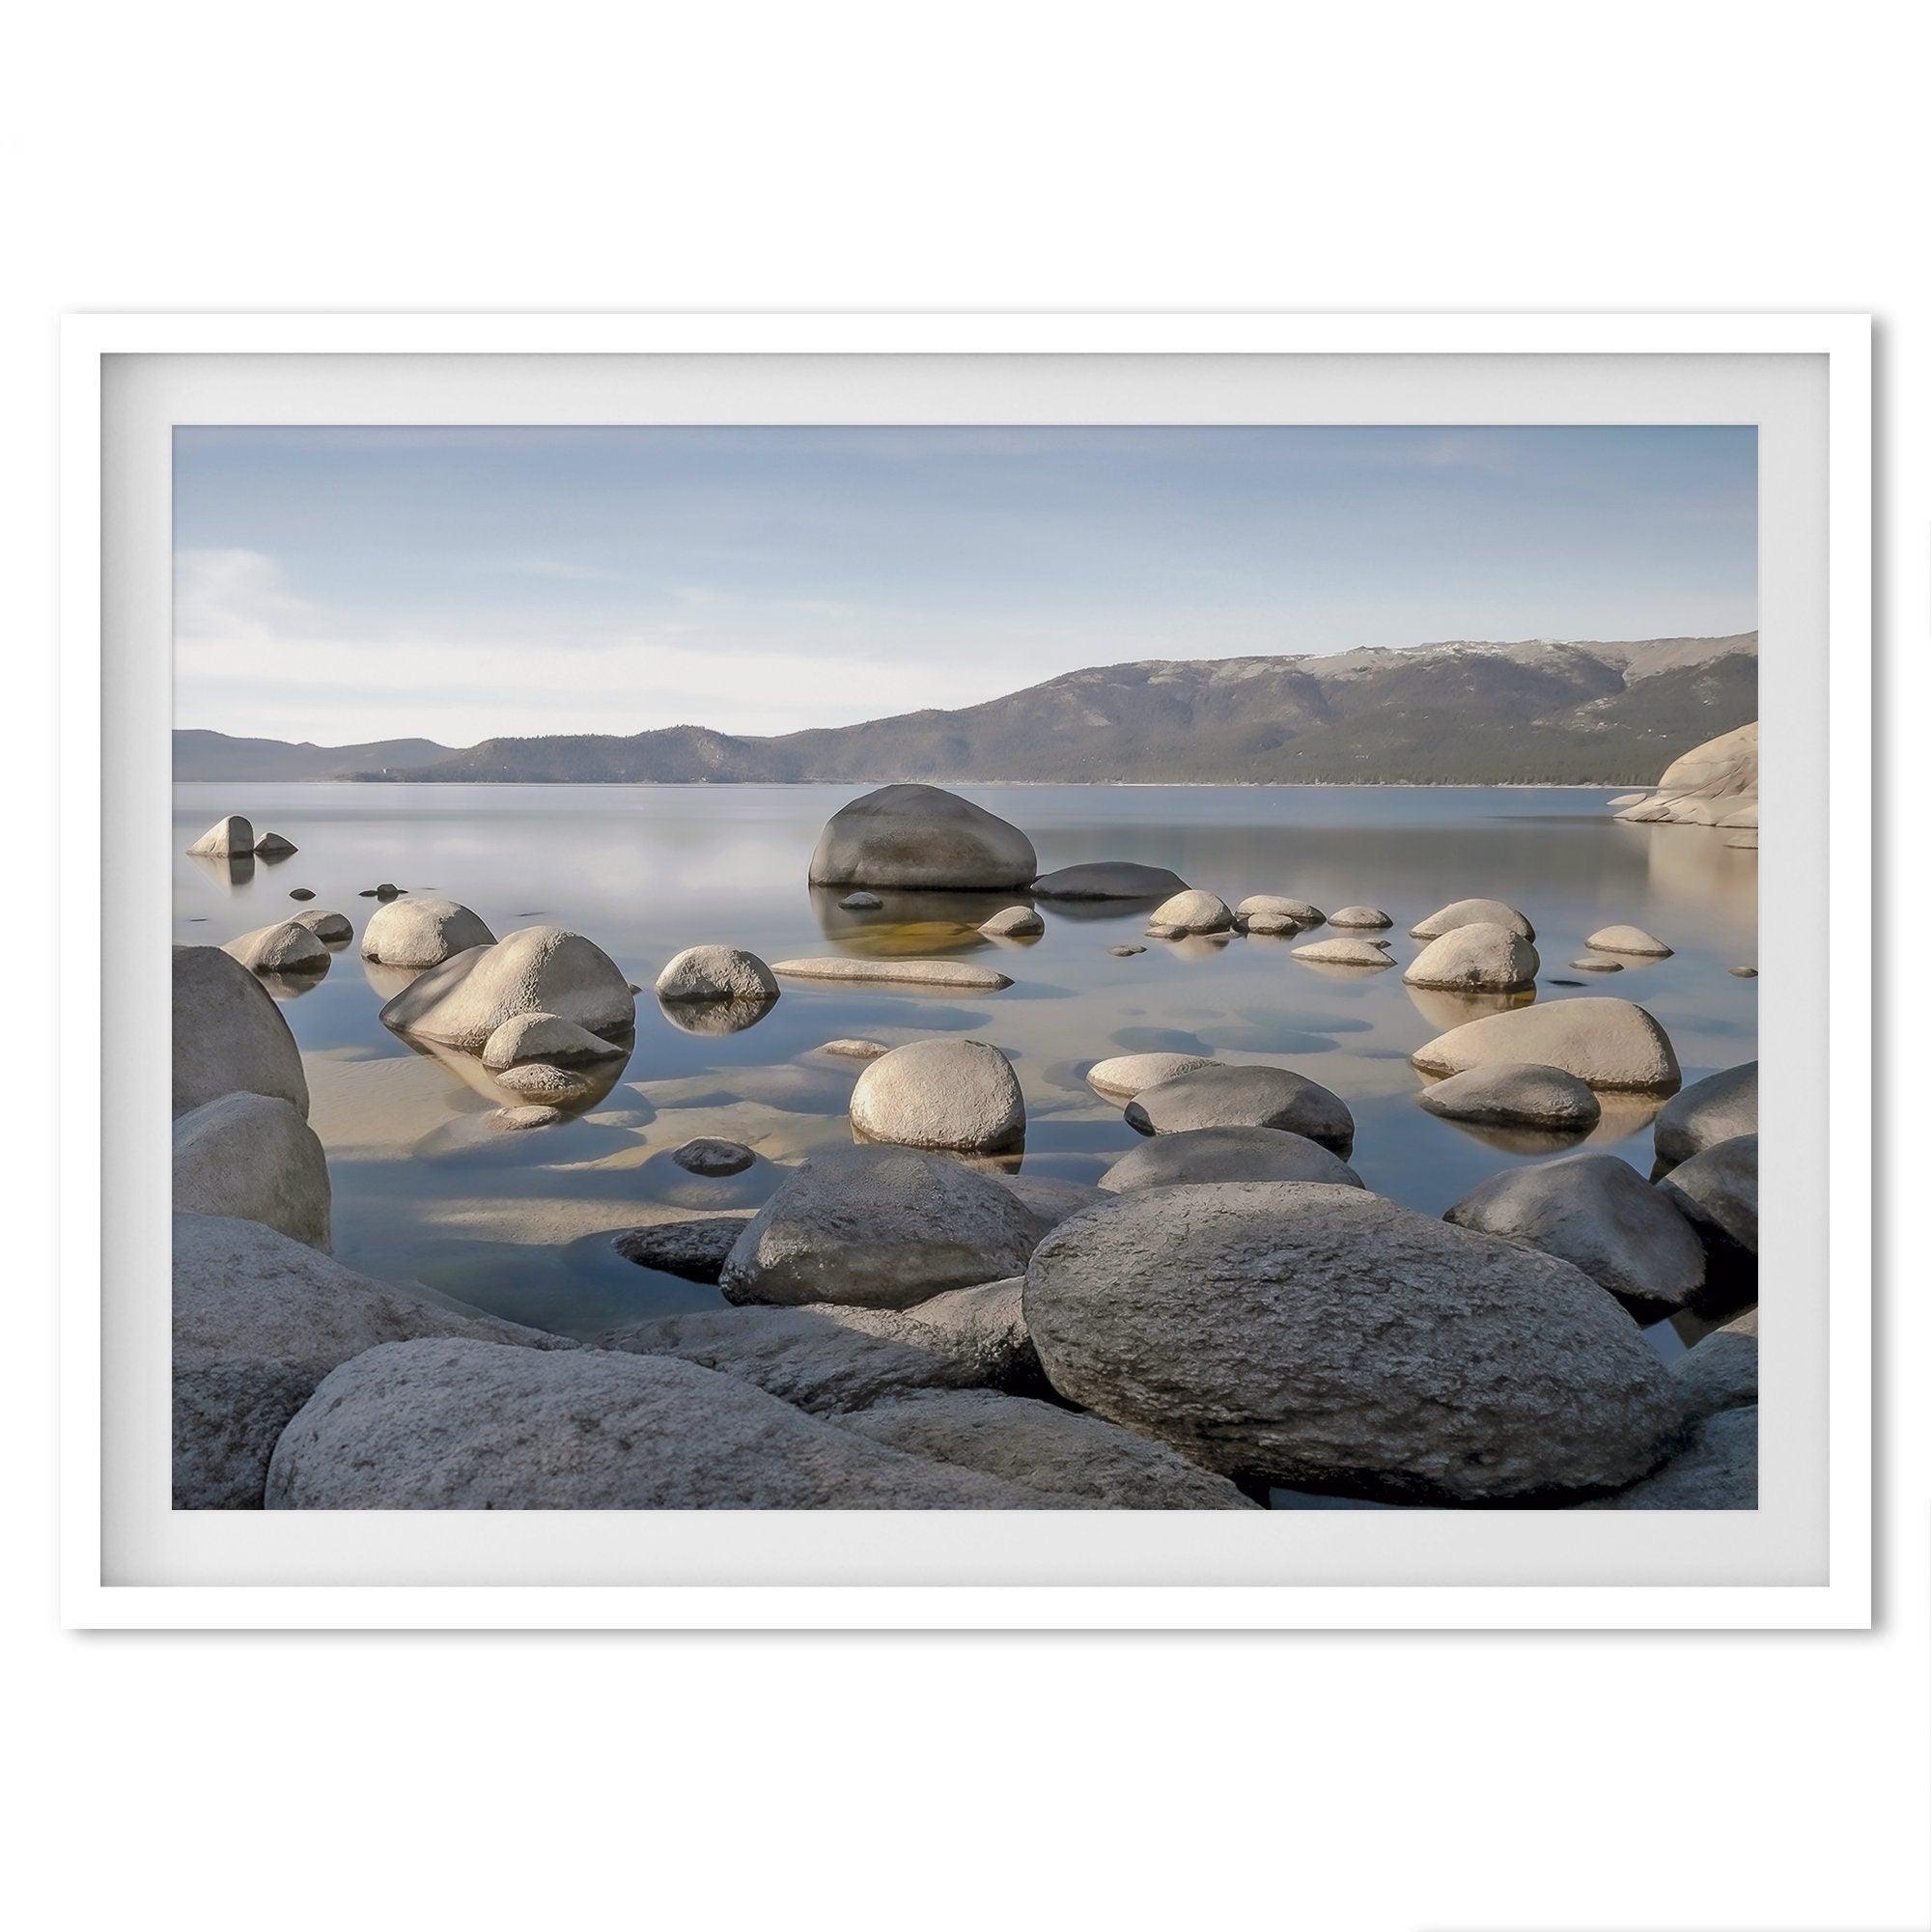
{"x": 1461, "y": 713}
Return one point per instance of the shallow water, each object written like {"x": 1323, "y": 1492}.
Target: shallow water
{"x": 518, "y": 1223}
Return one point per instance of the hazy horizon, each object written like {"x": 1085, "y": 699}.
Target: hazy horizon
{"x": 341, "y": 585}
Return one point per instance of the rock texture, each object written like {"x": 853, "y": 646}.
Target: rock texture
{"x": 1631, "y": 939}
{"x": 918, "y": 837}
{"x": 716, "y": 972}
{"x": 529, "y": 1037}
{"x": 1225, "y": 1153}
{"x": 229, "y": 1035}
{"x": 1216, "y": 1095}
{"x": 1016, "y": 922}
{"x": 1368, "y": 917}
{"x": 332, "y": 929}
{"x": 1123, "y": 1077}
{"x": 1345, "y": 953}
{"x": 1108, "y": 879}
{"x": 1716, "y": 1192}
{"x": 1477, "y": 958}
{"x": 1514, "y": 1094}
{"x": 1472, "y": 912}
{"x": 252, "y": 1157}
{"x": 272, "y": 846}
{"x": 1324, "y": 1338}
{"x": 1719, "y": 1373}
{"x": 1611, "y": 1044}
{"x": 960, "y": 1095}
{"x": 540, "y": 969}
{"x": 1271, "y": 912}
{"x": 713, "y": 1158}
{"x": 1714, "y": 785}
{"x": 693, "y": 1249}
{"x": 1599, "y": 1213}
{"x": 962, "y": 974}
{"x": 286, "y": 947}
{"x": 419, "y": 930}
{"x": 1190, "y": 911}
{"x": 1716, "y": 1471}
{"x": 230, "y": 837}
{"x": 1717, "y": 1109}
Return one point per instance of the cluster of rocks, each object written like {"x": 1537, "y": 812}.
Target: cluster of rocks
{"x": 234, "y": 837}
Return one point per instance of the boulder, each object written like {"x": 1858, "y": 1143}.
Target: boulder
{"x": 1508, "y": 1094}
{"x": 712, "y": 1157}
{"x": 526, "y": 1038}
{"x": 1370, "y": 917}
{"x": 331, "y": 928}
{"x": 1124, "y": 1076}
{"x": 918, "y": 837}
{"x": 1632, "y": 940}
{"x": 541, "y": 1083}
{"x": 227, "y": 838}
{"x": 422, "y": 932}
{"x": 253, "y": 1158}
{"x": 856, "y": 1050}
{"x": 1600, "y": 1215}
{"x": 716, "y": 972}
{"x": 1108, "y": 879}
{"x": 1268, "y": 925}
{"x": 960, "y": 1095}
{"x": 1472, "y": 912}
{"x": 1716, "y": 1192}
{"x": 1271, "y": 907}
{"x": 1078, "y": 1460}
{"x": 692, "y": 1248}
{"x": 273, "y": 846}
{"x": 860, "y": 902}
{"x": 960, "y": 974}
{"x": 881, "y": 1227}
{"x": 1190, "y": 911}
{"x": 521, "y": 1119}
{"x": 385, "y": 891}
{"x": 286, "y": 947}
{"x": 1318, "y": 1337}
{"x": 1218, "y": 1096}
{"x": 1715, "y": 784}
{"x": 229, "y": 1035}
{"x": 1626, "y": 798}
{"x": 1611, "y": 1044}
{"x": 1225, "y": 1153}
{"x": 1367, "y": 953}
{"x": 1475, "y": 959}
{"x": 1719, "y": 1373}
{"x": 1597, "y": 965}
{"x": 1716, "y": 1469}
{"x": 540, "y": 969}
{"x": 1717, "y": 1109}
{"x": 460, "y": 1425}
{"x": 1016, "y": 922}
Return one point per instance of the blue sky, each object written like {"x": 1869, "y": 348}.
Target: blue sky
{"x": 345, "y": 584}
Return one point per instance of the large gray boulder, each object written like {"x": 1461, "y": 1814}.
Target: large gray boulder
{"x": 230, "y": 837}
{"x": 1599, "y": 1213}
{"x": 1225, "y": 1153}
{"x": 1716, "y": 1469}
{"x": 1078, "y": 1460}
{"x": 880, "y": 1227}
{"x": 1717, "y": 1109}
{"x": 1219, "y": 1096}
{"x": 1479, "y": 958}
{"x": 417, "y": 931}
{"x": 960, "y": 974}
{"x": 229, "y": 1035}
{"x": 1190, "y": 911}
{"x": 1108, "y": 879}
{"x": 460, "y": 1425}
{"x": 960, "y": 1095}
{"x": 286, "y": 946}
{"x": 918, "y": 837}
{"x": 1612, "y": 1045}
{"x": 540, "y": 969}
{"x": 1716, "y": 1192}
{"x": 1513, "y": 1094}
{"x": 1126, "y": 1074}
{"x": 1319, "y": 1338}
{"x": 716, "y": 972}
{"x": 1720, "y": 1372}
{"x": 253, "y": 1158}
{"x": 257, "y": 1320}
{"x": 1472, "y": 912}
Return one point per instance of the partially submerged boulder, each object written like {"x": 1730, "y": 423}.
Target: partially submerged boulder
{"x": 1218, "y": 1095}
{"x": 1472, "y": 912}
{"x": 1319, "y": 1338}
{"x": 716, "y": 972}
{"x": 1480, "y": 958}
{"x": 692, "y": 1248}
{"x": 526, "y": 1038}
{"x": 1108, "y": 879}
{"x": 918, "y": 837}
{"x": 1271, "y": 912}
{"x": 1515, "y": 1094}
{"x": 229, "y": 1035}
{"x": 1205, "y": 1153}
{"x": 1366, "y": 953}
{"x": 250, "y": 1157}
{"x": 540, "y": 969}
{"x": 272, "y": 846}
{"x": 1630, "y": 940}
{"x": 1715, "y": 784}
{"x": 421, "y": 931}
{"x": 1611, "y": 1044}
{"x": 1016, "y": 922}
{"x": 1190, "y": 911}
{"x": 1370, "y": 918}
{"x": 960, "y": 1095}
{"x": 1124, "y": 1076}
{"x": 288, "y": 947}
{"x": 230, "y": 837}
{"x": 960, "y": 974}
{"x": 713, "y": 1158}
{"x": 1717, "y": 1109}
{"x": 332, "y": 929}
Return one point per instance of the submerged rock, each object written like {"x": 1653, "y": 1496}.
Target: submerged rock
{"x": 1714, "y": 1109}
{"x": 331, "y": 928}
{"x": 252, "y": 1157}
{"x": 1204, "y": 1154}
{"x": 919, "y": 837}
{"x": 1516, "y": 1094}
{"x": 1269, "y": 912}
{"x": 1218, "y": 1095}
{"x": 1016, "y": 922}
{"x": 229, "y": 1035}
{"x": 856, "y": 1050}
{"x": 540, "y": 969}
{"x": 1372, "y": 917}
{"x": 1126, "y": 1074}
{"x": 959, "y": 973}
{"x": 960, "y": 1095}
{"x": 860, "y": 902}
{"x": 1597, "y": 965}
{"x": 288, "y": 947}
{"x": 713, "y": 1157}
{"x": 1475, "y": 959}
{"x": 1190, "y": 911}
{"x": 1108, "y": 879}
{"x": 230, "y": 837}
{"x": 420, "y": 932}
{"x": 527, "y": 1038}
{"x": 1599, "y": 1213}
{"x": 692, "y": 1248}
{"x": 1632, "y": 940}
{"x": 1611, "y": 1044}
{"x": 1346, "y": 953}
{"x": 1472, "y": 912}
{"x": 716, "y": 972}
{"x": 1049, "y": 1198}
{"x": 1126, "y": 952}
{"x": 523, "y": 1119}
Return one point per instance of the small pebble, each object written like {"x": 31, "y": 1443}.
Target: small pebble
{"x": 860, "y": 902}
{"x": 518, "y": 1119}
{"x": 1743, "y": 972}
{"x": 301, "y": 892}
{"x": 705, "y": 1156}
{"x": 1125, "y": 952}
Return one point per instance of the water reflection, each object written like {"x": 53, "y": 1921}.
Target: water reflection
{"x": 1444, "y": 1010}
{"x": 717, "y": 1016}
{"x": 226, "y": 875}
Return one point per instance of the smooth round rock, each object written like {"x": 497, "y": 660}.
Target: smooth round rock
{"x": 1108, "y": 879}
{"x": 919, "y": 837}
{"x": 301, "y": 892}
{"x": 1370, "y": 917}
{"x": 273, "y": 846}
{"x": 712, "y": 1157}
{"x": 287, "y": 947}
{"x": 1632, "y": 940}
{"x": 716, "y": 972}
{"x": 420, "y": 932}
{"x": 1321, "y": 1337}
{"x": 1475, "y": 959}
{"x": 1598, "y": 1213}
{"x": 540, "y": 1083}
{"x": 1016, "y": 922}
{"x": 1711, "y": 1111}
{"x": 1126, "y": 1074}
{"x": 1367, "y": 953}
{"x": 1611, "y": 1044}
{"x": 1472, "y": 912}
{"x": 1597, "y": 965}
{"x": 1508, "y": 1094}
{"x": 860, "y": 902}
{"x": 1716, "y": 1192}
{"x": 230, "y": 837}
{"x": 529, "y": 1037}
{"x": 1273, "y": 908}
{"x": 1218, "y": 1096}
{"x": 251, "y": 1158}
{"x": 331, "y": 928}
{"x": 958, "y": 1095}
{"x": 1743, "y": 972}
{"x": 1720, "y": 1373}
{"x": 229, "y": 1035}
{"x": 1190, "y": 911}
{"x": 540, "y": 969}
{"x": 1205, "y": 1153}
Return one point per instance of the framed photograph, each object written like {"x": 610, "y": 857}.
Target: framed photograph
{"x": 945, "y": 971}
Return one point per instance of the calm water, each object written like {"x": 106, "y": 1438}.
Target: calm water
{"x": 518, "y": 1223}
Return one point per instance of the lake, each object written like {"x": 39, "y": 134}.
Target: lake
{"x": 518, "y": 1223}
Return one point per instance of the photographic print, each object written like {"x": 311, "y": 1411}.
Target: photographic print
{"x": 966, "y": 968}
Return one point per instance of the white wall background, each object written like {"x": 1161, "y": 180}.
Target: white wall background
{"x": 1038, "y": 155}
